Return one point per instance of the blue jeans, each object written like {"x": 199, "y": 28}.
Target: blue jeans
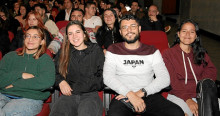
{"x": 19, "y": 107}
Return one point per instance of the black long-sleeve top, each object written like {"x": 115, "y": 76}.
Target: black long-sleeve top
{"x": 146, "y": 24}
{"x": 84, "y": 70}
{"x": 106, "y": 37}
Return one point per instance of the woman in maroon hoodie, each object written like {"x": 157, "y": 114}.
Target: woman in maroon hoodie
{"x": 187, "y": 62}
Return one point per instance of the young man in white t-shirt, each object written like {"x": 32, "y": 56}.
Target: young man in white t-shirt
{"x": 91, "y": 22}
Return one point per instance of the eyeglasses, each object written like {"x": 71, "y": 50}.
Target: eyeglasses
{"x": 132, "y": 27}
{"x": 28, "y": 36}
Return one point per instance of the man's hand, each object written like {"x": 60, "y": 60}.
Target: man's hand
{"x": 51, "y": 50}
{"x": 193, "y": 106}
{"x": 136, "y": 101}
{"x": 119, "y": 97}
{"x": 139, "y": 93}
{"x": 65, "y": 88}
{"x": 104, "y": 50}
{"x": 9, "y": 86}
{"x": 27, "y": 76}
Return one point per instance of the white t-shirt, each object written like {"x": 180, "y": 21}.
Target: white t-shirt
{"x": 91, "y": 23}
{"x": 67, "y": 16}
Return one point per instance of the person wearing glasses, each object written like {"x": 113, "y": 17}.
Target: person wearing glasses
{"x": 25, "y": 75}
{"x": 129, "y": 70}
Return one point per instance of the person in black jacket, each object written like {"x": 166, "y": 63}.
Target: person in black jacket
{"x": 65, "y": 14}
{"x": 4, "y": 41}
{"x": 108, "y": 33}
{"x": 79, "y": 67}
{"x": 152, "y": 21}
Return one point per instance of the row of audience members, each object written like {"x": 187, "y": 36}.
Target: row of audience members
{"x": 81, "y": 69}
{"x": 92, "y": 23}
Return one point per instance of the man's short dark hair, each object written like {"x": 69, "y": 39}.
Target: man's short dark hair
{"x": 78, "y": 9}
{"x": 129, "y": 17}
{"x": 42, "y": 6}
{"x": 135, "y": 1}
{"x": 89, "y": 3}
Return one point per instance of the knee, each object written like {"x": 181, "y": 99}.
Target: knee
{"x": 114, "y": 113}
{"x": 176, "y": 111}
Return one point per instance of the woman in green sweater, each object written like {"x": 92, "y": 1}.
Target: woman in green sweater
{"x": 25, "y": 75}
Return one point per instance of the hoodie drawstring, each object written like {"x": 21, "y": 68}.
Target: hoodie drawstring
{"x": 186, "y": 76}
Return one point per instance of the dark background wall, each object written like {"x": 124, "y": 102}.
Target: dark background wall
{"x": 204, "y": 12}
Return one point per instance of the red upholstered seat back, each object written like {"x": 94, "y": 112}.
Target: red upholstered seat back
{"x": 156, "y": 38}
{"x": 61, "y": 24}
{"x": 10, "y": 35}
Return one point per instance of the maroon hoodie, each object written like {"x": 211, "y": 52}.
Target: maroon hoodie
{"x": 173, "y": 59}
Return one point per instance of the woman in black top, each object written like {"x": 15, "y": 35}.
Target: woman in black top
{"x": 79, "y": 67}
{"x": 108, "y": 33}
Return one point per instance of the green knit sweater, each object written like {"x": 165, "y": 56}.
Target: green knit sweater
{"x": 11, "y": 68}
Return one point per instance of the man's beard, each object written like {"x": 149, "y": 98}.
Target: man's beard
{"x": 131, "y": 41}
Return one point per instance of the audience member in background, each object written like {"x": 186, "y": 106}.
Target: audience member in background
{"x": 23, "y": 11}
{"x": 129, "y": 70}
{"x": 59, "y": 5}
{"x": 51, "y": 26}
{"x": 14, "y": 12}
{"x": 152, "y": 21}
{"x": 49, "y": 11}
{"x": 79, "y": 67}
{"x": 65, "y": 14}
{"x": 122, "y": 6}
{"x": 110, "y": 5}
{"x": 187, "y": 62}
{"x": 77, "y": 4}
{"x": 118, "y": 11}
{"x": 135, "y": 10}
{"x": 77, "y": 15}
{"x": 54, "y": 13}
{"x": 31, "y": 4}
{"x": 33, "y": 19}
{"x": 108, "y": 33}
{"x": 103, "y": 6}
{"x": 7, "y": 21}
{"x": 91, "y": 22}
{"x": 25, "y": 75}
{"x": 4, "y": 41}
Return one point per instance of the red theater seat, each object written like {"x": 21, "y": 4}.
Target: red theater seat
{"x": 61, "y": 24}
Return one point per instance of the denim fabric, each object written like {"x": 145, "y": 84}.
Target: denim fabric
{"x": 87, "y": 104}
{"x": 19, "y": 107}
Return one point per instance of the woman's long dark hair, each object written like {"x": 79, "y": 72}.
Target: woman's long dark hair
{"x": 198, "y": 50}
{"x": 65, "y": 50}
{"x": 27, "y": 11}
{"x": 104, "y": 28}
{"x": 116, "y": 24}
